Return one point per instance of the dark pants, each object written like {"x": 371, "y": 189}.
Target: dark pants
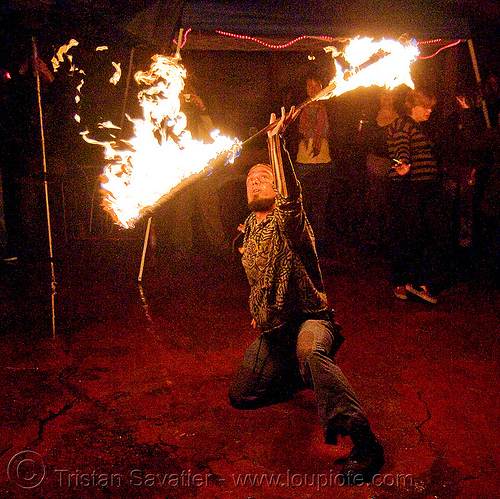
{"x": 316, "y": 181}
{"x": 414, "y": 232}
{"x": 278, "y": 365}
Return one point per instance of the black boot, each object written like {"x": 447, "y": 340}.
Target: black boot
{"x": 365, "y": 459}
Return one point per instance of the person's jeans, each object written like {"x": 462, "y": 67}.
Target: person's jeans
{"x": 277, "y": 365}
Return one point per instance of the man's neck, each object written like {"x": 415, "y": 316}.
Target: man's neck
{"x": 261, "y": 215}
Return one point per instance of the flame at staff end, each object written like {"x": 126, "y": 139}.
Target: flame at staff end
{"x": 161, "y": 156}
{"x": 385, "y": 63}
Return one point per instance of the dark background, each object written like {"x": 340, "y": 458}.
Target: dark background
{"x": 240, "y": 81}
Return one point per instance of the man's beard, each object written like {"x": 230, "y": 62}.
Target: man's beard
{"x": 261, "y": 204}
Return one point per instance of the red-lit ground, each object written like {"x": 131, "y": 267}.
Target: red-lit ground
{"x": 130, "y": 398}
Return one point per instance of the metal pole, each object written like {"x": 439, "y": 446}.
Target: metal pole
{"x": 46, "y": 188}
{"x": 478, "y": 80}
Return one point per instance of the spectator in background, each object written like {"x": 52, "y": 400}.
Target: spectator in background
{"x": 488, "y": 218}
{"x": 413, "y": 201}
{"x": 194, "y": 213}
{"x": 378, "y": 164}
{"x": 491, "y": 95}
{"x": 314, "y": 164}
{"x": 464, "y": 160}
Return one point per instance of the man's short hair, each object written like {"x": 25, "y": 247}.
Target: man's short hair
{"x": 261, "y": 165}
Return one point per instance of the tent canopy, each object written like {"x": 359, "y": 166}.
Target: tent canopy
{"x": 315, "y": 18}
{"x": 156, "y": 21}
{"x": 285, "y": 19}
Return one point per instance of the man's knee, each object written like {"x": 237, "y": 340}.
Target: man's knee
{"x": 305, "y": 345}
{"x": 244, "y": 403}
{"x": 256, "y": 401}
{"x": 242, "y": 394}
{"x": 236, "y": 402}
{"x": 318, "y": 339}
{"x": 308, "y": 348}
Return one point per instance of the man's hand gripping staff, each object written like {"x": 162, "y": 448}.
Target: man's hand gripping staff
{"x": 285, "y": 180}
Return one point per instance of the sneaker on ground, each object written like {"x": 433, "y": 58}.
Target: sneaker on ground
{"x": 400, "y": 293}
{"x": 422, "y": 292}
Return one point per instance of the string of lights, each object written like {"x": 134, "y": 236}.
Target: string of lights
{"x": 328, "y": 38}
{"x": 427, "y": 42}
{"x": 270, "y": 45}
{"x": 440, "y": 49}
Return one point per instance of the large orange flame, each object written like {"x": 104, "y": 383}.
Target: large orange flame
{"x": 385, "y": 63}
{"x": 161, "y": 155}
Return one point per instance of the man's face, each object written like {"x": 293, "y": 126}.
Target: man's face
{"x": 260, "y": 192}
{"x": 421, "y": 113}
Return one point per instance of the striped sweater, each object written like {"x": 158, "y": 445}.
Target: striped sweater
{"x": 407, "y": 142}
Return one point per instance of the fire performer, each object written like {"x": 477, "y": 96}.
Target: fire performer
{"x": 299, "y": 335}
